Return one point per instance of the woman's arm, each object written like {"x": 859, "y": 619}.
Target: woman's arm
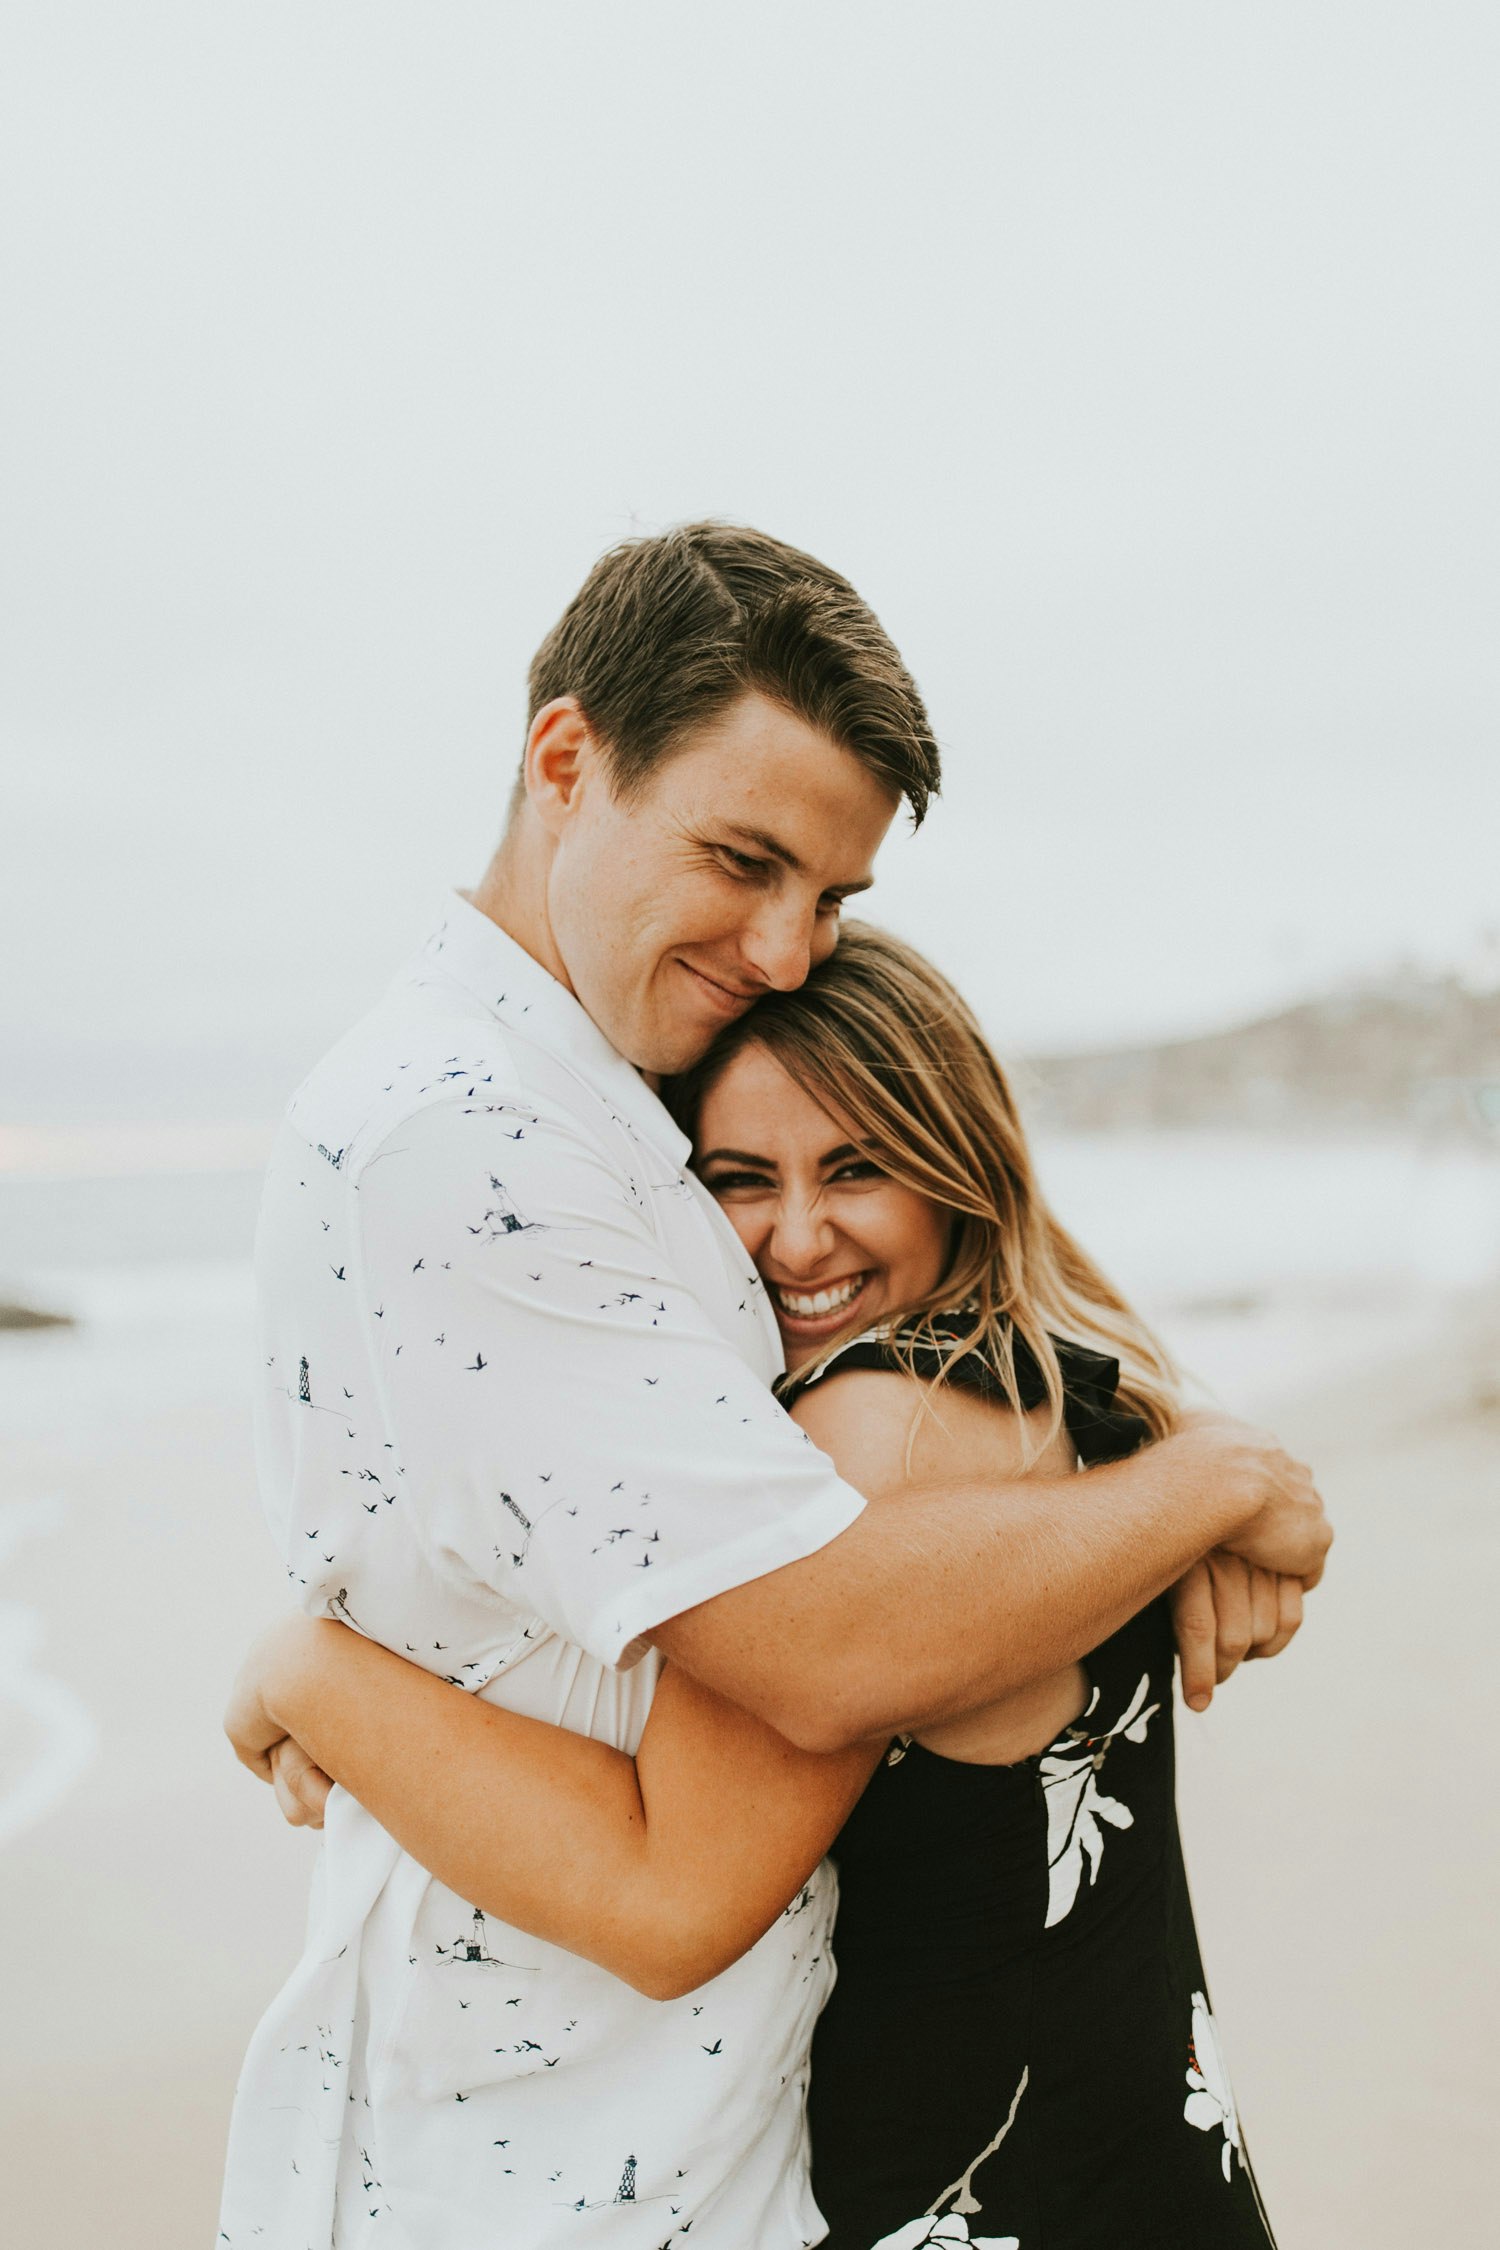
{"x": 663, "y": 1868}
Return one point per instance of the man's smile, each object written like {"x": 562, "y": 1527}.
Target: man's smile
{"x": 728, "y": 999}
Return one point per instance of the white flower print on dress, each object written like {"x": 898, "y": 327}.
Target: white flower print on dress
{"x": 952, "y": 2229}
{"x": 1075, "y": 1802}
{"x": 953, "y": 2226}
{"x": 1210, "y": 2103}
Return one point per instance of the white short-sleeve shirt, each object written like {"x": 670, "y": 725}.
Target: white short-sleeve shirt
{"x": 513, "y": 1411}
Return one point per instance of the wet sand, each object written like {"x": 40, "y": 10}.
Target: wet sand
{"x": 1342, "y": 1818}
{"x": 1341, "y": 1809}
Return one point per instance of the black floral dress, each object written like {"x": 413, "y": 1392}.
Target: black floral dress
{"x": 1019, "y": 2050}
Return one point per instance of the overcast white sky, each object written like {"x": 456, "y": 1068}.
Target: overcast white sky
{"x": 1138, "y": 362}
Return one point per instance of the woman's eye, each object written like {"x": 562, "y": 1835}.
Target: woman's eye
{"x": 719, "y": 1182}
{"x": 862, "y": 1170}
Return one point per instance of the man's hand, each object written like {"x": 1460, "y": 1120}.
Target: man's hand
{"x": 1226, "y": 1610}
{"x": 1283, "y": 1529}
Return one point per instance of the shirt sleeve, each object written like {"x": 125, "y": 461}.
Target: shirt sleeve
{"x": 577, "y": 1434}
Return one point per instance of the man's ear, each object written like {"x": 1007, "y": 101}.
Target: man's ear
{"x": 561, "y": 752}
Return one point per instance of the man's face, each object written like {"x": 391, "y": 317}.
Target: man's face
{"x": 674, "y": 910}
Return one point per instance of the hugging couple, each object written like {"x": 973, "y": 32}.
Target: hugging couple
{"x": 697, "y": 1450}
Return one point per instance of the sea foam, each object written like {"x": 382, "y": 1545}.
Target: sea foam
{"x": 47, "y": 1737}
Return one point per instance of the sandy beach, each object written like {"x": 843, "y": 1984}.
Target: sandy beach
{"x": 1343, "y": 1824}
{"x": 589, "y": 466}
{"x": 1340, "y": 1805}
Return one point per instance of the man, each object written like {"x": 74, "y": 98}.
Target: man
{"x": 516, "y": 1423}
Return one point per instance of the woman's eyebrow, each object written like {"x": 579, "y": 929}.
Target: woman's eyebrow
{"x": 839, "y": 1155}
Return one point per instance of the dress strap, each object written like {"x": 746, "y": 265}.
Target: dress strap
{"x": 1100, "y": 1428}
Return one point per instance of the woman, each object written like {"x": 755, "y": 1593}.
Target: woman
{"x": 1020, "y": 2035}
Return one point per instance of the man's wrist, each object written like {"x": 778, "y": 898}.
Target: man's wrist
{"x": 1218, "y": 1478}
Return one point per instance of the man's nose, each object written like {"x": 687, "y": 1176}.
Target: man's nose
{"x": 778, "y": 945}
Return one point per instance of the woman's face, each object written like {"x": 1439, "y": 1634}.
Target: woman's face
{"x": 836, "y": 1240}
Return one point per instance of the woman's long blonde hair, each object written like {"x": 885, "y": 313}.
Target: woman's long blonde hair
{"x": 879, "y": 1036}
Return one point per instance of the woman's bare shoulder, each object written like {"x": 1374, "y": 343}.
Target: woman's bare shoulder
{"x": 883, "y": 1429}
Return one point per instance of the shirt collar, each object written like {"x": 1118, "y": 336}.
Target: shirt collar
{"x": 502, "y": 976}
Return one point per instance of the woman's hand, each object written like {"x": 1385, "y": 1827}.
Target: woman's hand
{"x": 1225, "y": 1610}
{"x": 663, "y": 1868}
{"x": 251, "y": 1721}
{"x": 301, "y": 1787}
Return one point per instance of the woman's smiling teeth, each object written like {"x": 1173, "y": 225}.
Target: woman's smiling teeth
{"x": 817, "y": 1304}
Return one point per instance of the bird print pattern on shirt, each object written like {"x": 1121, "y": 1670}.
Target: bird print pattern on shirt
{"x": 499, "y": 1222}
{"x": 516, "y": 1395}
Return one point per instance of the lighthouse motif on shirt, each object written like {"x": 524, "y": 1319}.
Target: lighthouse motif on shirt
{"x": 473, "y": 1951}
{"x": 502, "y": 1217}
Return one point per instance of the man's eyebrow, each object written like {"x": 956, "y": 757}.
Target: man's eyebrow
{"x": 764, "y": 841}
{"x": 761, "y": 840}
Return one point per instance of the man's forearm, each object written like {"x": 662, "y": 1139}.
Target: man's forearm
{"x": 936, "y": 1601}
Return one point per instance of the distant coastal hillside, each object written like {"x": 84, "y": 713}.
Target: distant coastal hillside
{"x": 1417, "y": 1052}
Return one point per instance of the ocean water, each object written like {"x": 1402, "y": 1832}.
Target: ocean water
{"x": 155, "y": 1273}
{"x": 1270, "y": 1266}
{"x": 47, "y": 1733}
{"x": 1267, "y": 1266}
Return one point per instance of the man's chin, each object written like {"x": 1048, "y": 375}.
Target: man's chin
{"x": 674, "y": 1052}
{"x": 657, "y": 1049}
{"x": 663, "y": 1043}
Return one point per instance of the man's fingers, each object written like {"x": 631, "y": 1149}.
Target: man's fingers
{"x": 1193, "y": 1617}
{"x": 1289, "y": 1592}
{"x": 1285, "y": 1527}
{"x": 1265, "y": 1615}
{"x": 1229, "y": 1576}
{"x": 1226, "y": 1609}
{"x": 1288, "y": 1617}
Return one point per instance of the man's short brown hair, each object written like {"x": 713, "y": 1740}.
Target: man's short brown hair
{"x": 665, "y": 633}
